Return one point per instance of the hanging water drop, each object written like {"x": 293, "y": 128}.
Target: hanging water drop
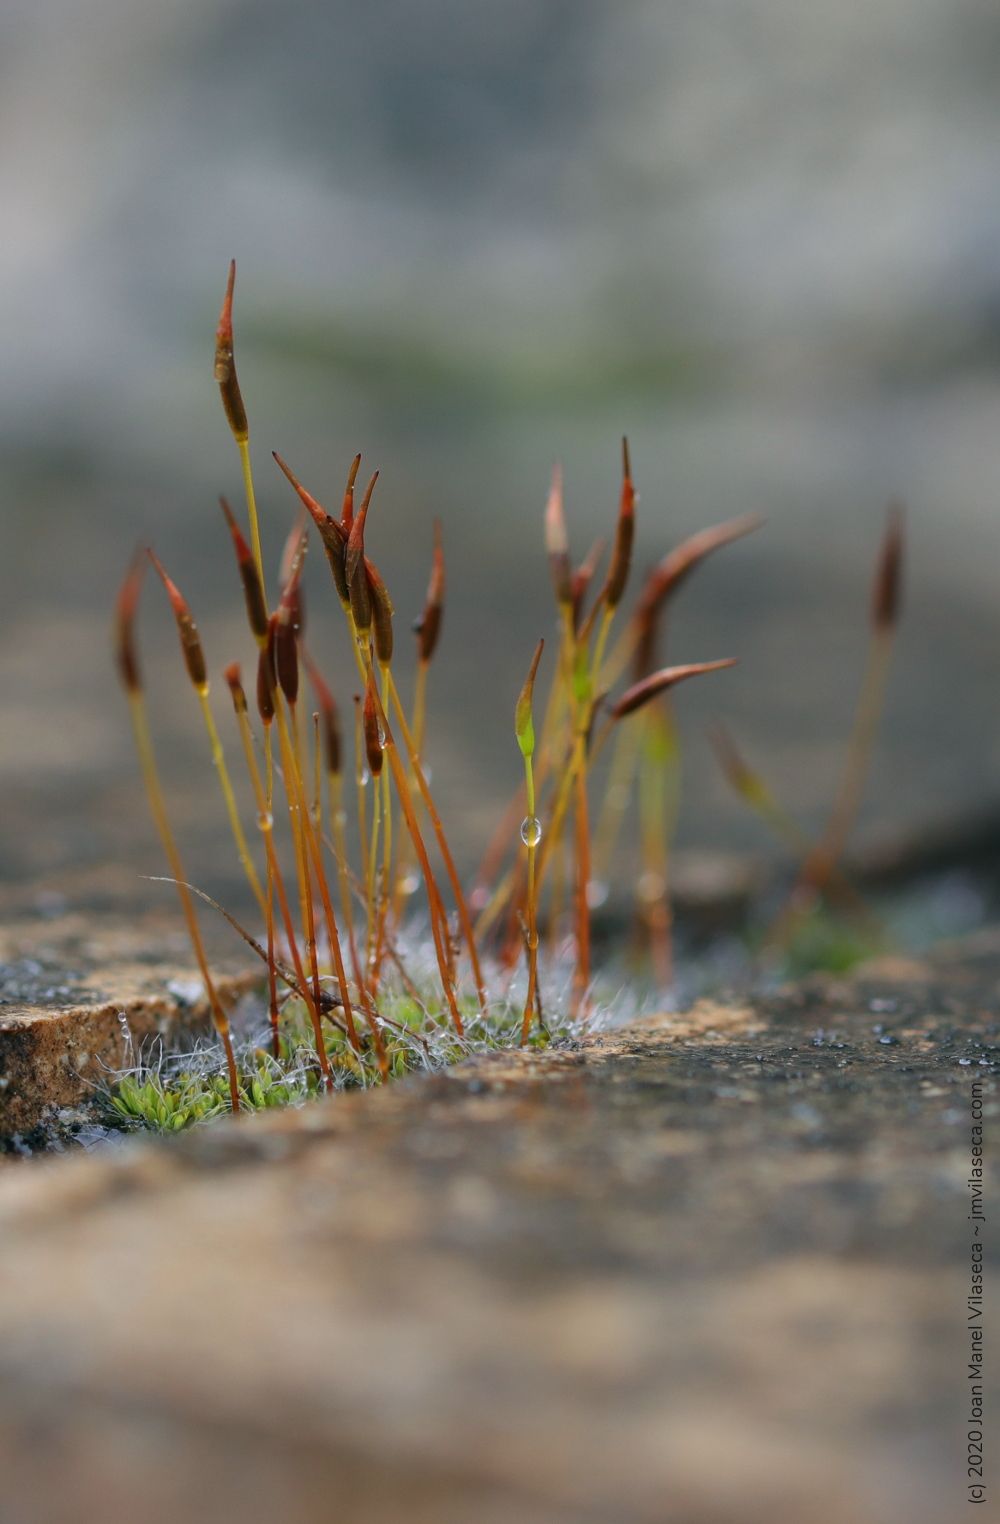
{"x": 531, "y": 830}
{"x": 651, "y": 887}
{"x": 265, "y": 819}
{"x": 597, "y": 893}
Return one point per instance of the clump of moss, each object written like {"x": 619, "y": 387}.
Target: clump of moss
{"x": 167, "y": 1092}
{"x": 341, "y": 845}
{"x": 821, "y": 942}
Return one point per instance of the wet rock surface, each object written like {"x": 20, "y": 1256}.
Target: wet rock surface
{"x": 712, "y": 1267}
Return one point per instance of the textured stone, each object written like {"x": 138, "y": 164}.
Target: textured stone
{"x": 707, "y": 1269}
{"x": 75, "y": 991}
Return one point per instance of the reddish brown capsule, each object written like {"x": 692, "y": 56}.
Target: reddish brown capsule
{"x": 373, "y": 731}
{"x": 330, "y": 532}
{"x": 335, "y": 546}
{"x": 286, "y": 661}
{"x": 265, "y": 675}
{"x": 125, "y": 610}
{"x": 294, "y": 586}
{"x": 225, "y": 365}
{"x": 889, "y": 572}
{"x": 286, "y": 652}
{"x": 621, "y": 555}
{"x": 354, "y": 566}
{"x": 642, "y": 693}
{"x": 361, "y": 605}
{"x": 356, "y": 538}
{"x": 253, "y": 593}
{"x": 191, "y": 648}
{"x": 428, "y": 626}
{"x": 328, "y": 716}
{"x": 582, "y": 578}
{"x": 668, "y": 575}
{"x": 235, "y": 685}
{"x": 557, "y": 540}
{"x": 347, "y": 509}
{"x": 381, "y": 607}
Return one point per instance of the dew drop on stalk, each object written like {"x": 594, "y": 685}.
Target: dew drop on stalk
{"x": 364, "y": 777}
{"x": 265, "y": 819}
{"x": 597, "y": 893}
{"x": 531, "y": 830}
{"x": 410, "y": 884}
{"x": 650, "y": 888}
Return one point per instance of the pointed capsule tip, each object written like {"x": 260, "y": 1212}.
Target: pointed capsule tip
{"x": 887, "y": 591}
{"x": 524, "y": 728}
{"x": 172, "y": 590}
{"x": 125, "y": 611}
{"x": 224, "y": 333}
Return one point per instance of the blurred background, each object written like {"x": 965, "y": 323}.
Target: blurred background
{"x": 761, "y": 238}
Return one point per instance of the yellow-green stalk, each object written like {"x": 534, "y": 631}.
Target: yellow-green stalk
{"x": 335, "y": 808}
{"x": 821, "y": 863}
{"x": 128, "y": 666}
{"x": 524, "y": 730}
{"x": 194, "y": 661}
{"x": 439, "y": 927}
{"x": 266, "y": 705}
{"x": 658, "y": 800}
{"x": 286, "y": 666}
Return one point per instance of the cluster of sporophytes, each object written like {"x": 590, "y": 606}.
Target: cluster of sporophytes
{"x": 329, "y": 926}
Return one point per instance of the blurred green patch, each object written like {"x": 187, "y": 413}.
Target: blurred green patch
{"x": 418, "y": 363}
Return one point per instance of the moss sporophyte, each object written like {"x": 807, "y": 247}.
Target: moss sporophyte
{"x": 344, "y": 1006}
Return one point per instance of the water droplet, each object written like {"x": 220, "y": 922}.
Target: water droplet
{"x": 381, "y": 737}
{"x": 531, "y": 830}
{"x": 365, "y": 777}
{"x": 409, "y": 884}
{"x": 428, "y": 775}
{"x": 265, "y": 820}
{"x": 597, "y": 893}
{"x": 650, "y": 888}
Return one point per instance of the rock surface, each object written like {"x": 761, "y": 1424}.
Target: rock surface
{"x": 76, "y": 993}
{"x": 710, "y": 1268}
